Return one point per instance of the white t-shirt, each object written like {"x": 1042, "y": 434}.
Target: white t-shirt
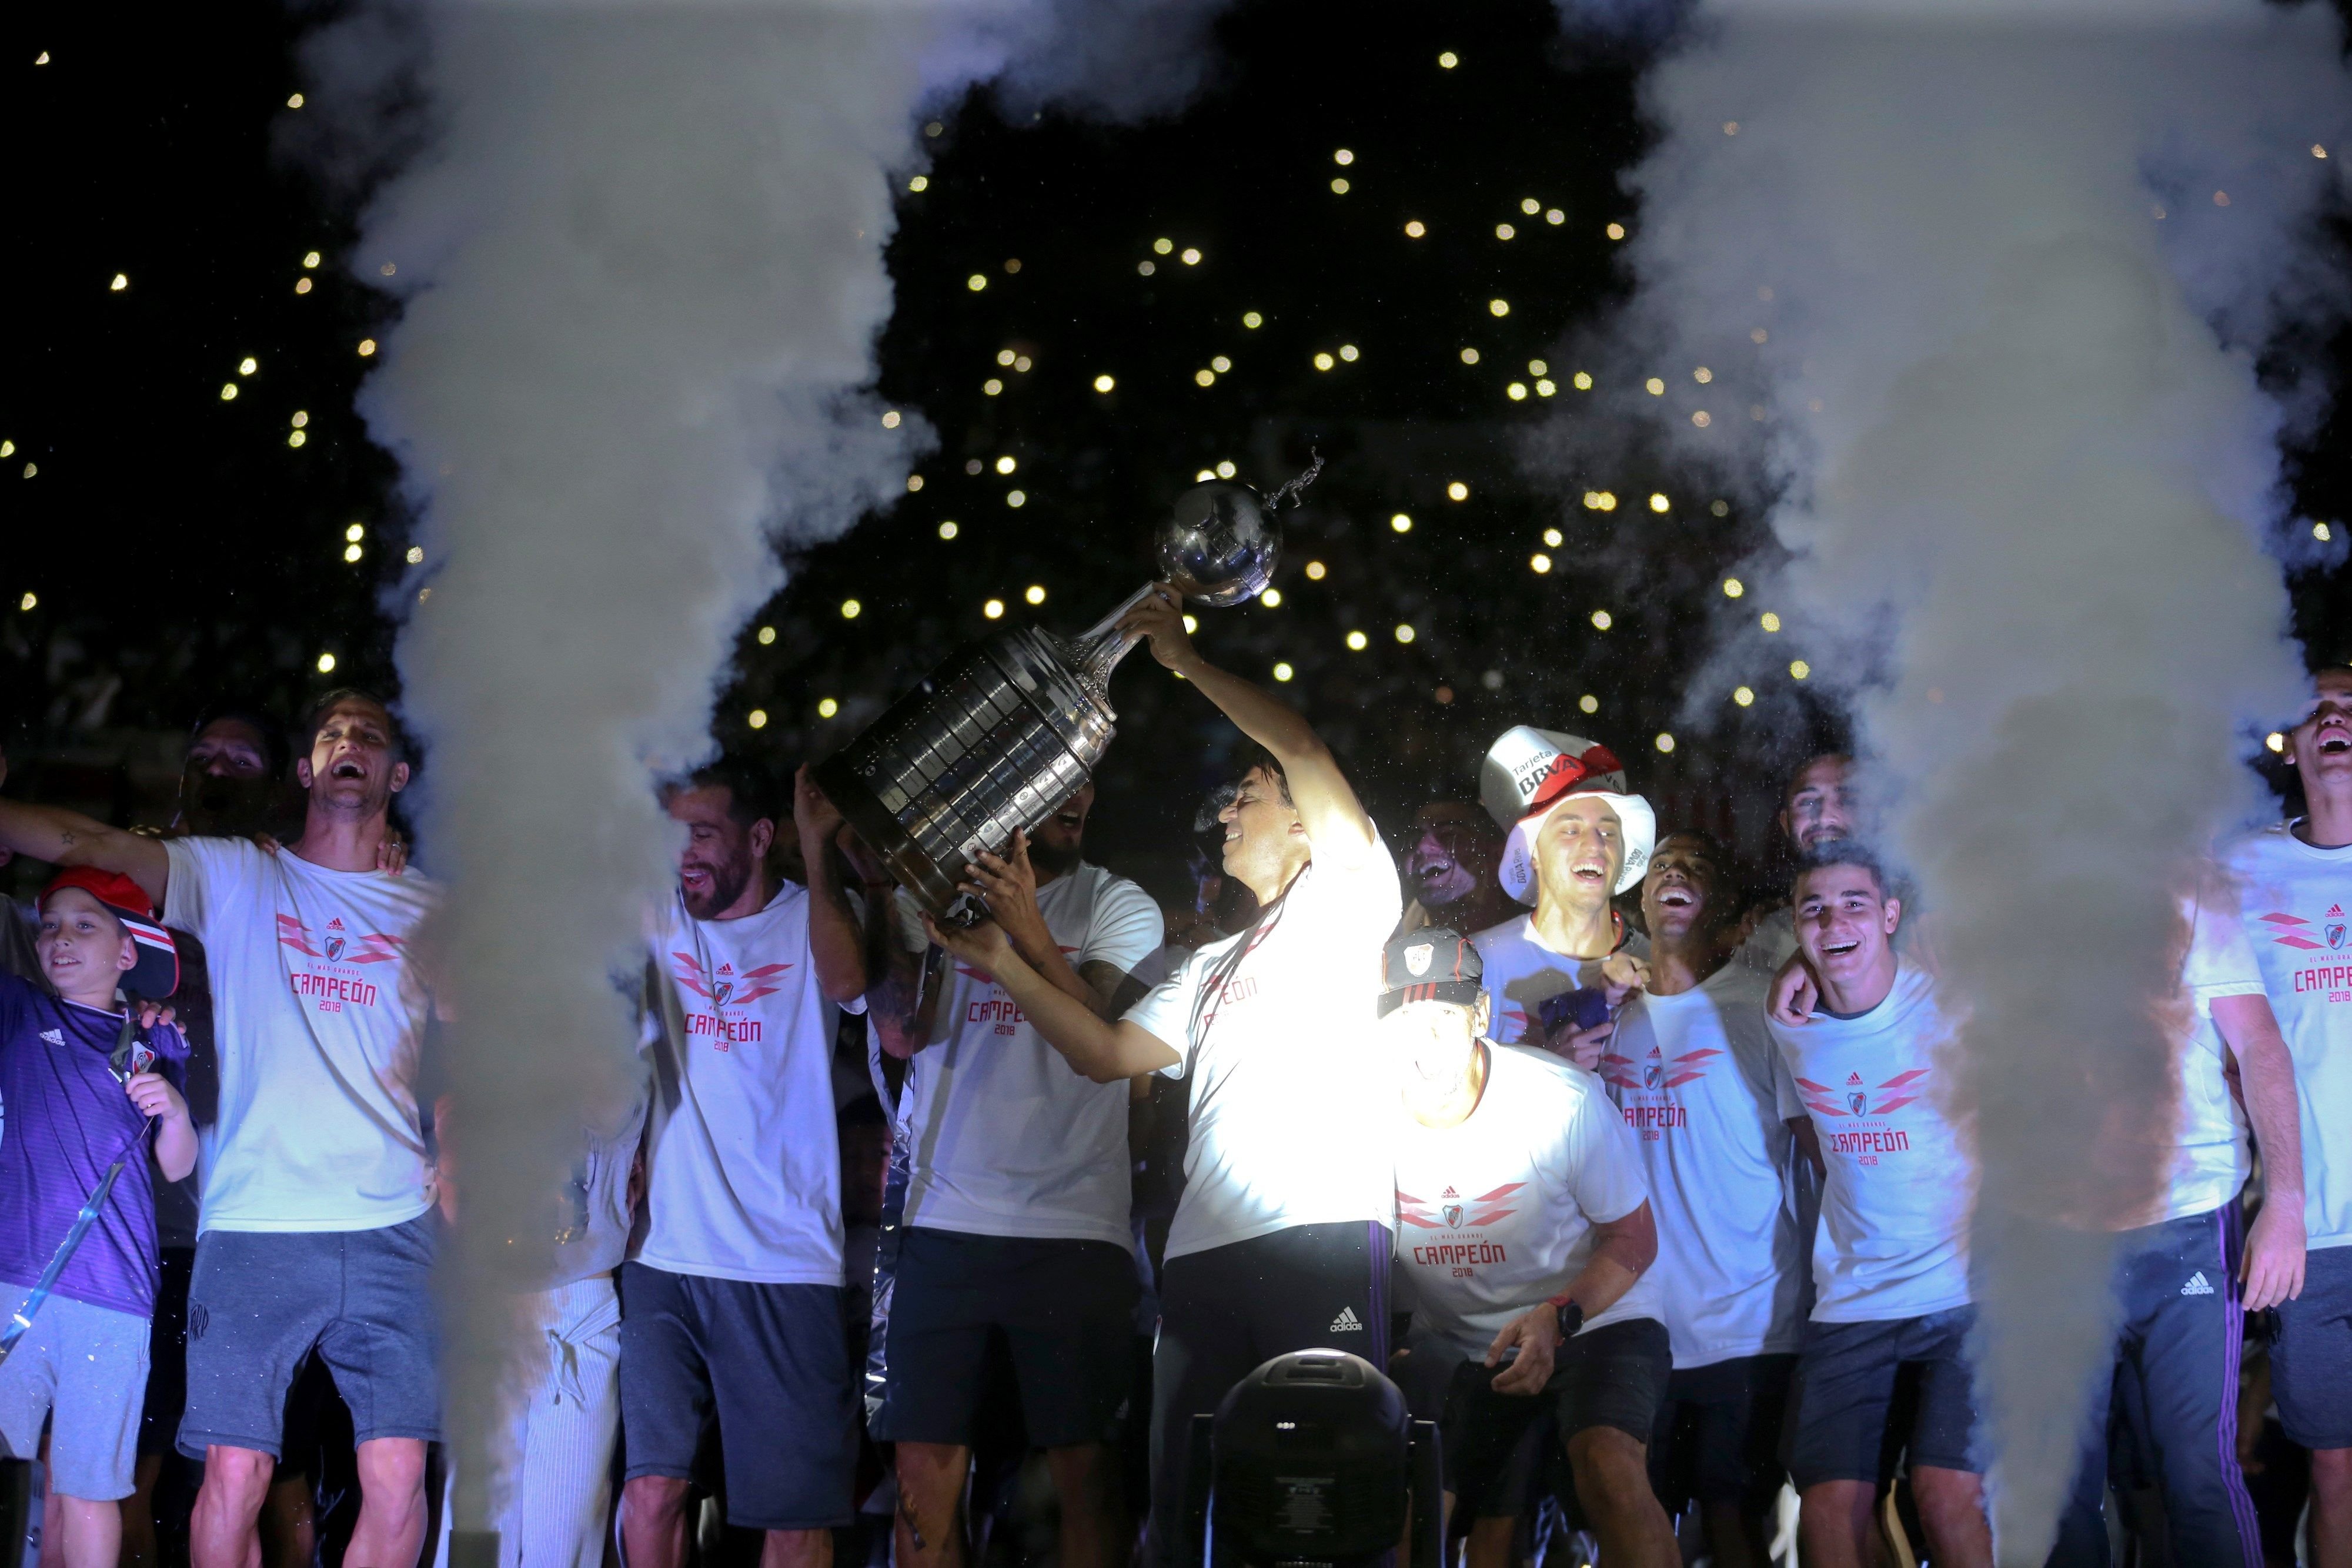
{"x": 1700, "y": 1083}
{"x": 1291, "y": 1100}
{"x": 318, "y": 1020}
{"x": 2292, "y": 911}
{"x": 1892, "y": 1241}
{"x": 1006, "y": 1140}
{"x": 2214, "y": 1158}
{"x": 1496, "y": 1215}
{"x": 742, "y": 1163}
{"x": 1521, "y": 973}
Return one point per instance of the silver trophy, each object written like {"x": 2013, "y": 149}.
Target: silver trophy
{"x": 999, "y": 737}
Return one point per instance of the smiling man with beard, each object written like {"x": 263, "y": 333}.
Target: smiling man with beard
{"x": 1015, "y": 1246}
{"x": 732, "y": 1310}
{"x": 1817, "y": 807}
{"x": 1575, "y": 839}
{"x": 317, "y": 1189}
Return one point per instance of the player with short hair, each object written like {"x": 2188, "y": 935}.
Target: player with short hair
{"x": 2184, "y": 1277}
{"x": 1015, "y": 1243}
{"x": 2294, "y": 887}
{"x": 1819, "y": 804}
{"x": 317, "y": 1225}
{"x": 1452, "y": 867}
{"x": 1281, "y": 1240}
{"x": 1891, "y": 1292}
{"x": 731, "y": 1308}
{"x": 1700, "y": 1083}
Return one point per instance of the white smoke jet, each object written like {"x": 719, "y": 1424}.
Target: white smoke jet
{"x": 1975, "y": 288}
{"x": 639, "y": 248}
{"x": 645, "y": 254}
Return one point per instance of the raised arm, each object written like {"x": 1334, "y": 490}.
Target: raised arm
{"x": 68, "y": 838}
{"x": 1095, "y": 1047}
{"x": 905, "y": 1001}
{"x": 1337, "y": 825}
{"x": 2275, "y": 1243}
{"x": 836, "y": 940}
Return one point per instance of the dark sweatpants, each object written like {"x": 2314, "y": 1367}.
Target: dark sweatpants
{"x": 2181, "y": 1331}
{"x": 1226, "y": 1312}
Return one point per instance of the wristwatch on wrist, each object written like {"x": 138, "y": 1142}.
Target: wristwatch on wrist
{"x": 1570, "y": 1317}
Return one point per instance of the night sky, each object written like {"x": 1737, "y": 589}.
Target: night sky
{"x": 163, "y": 545}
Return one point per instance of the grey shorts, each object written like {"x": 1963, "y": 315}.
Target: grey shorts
{"x": 82, "y": 1370}
{"x": 2311, "y": 1365}
{"x": 261, "y": 1300}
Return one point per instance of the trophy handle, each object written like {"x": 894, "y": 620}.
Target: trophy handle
{"x": 1097, "y": 651}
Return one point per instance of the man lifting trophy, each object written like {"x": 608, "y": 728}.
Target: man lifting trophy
{"x": 1281, "y": 1241}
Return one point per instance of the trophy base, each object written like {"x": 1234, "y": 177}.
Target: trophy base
{"x": 992, "y": 742}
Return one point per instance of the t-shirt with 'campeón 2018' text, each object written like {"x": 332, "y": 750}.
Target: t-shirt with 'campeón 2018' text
{"x": 1496, "y": 1213}
{"x": 1699, "y": 1081}
{"x": 1893, "y": 1242}
{"x": 2293, "y": 899}
{"x": 1005, "y": 1139}
{"x": 742, "y": 1159}
{"x": 318, "y": 1018}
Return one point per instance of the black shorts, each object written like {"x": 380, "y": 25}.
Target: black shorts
{"x": 1864, "y": 1394}
{"x": 167, "y": 1354}
{"x": 769, "y": 1364}
{"x": 1058, "y": 1314}
{"x": 1717, "y": 1438}
{"x": 1613, "y": 1375}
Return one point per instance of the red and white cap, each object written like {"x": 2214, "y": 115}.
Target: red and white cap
{"x": 157, "y": 973}
{"x": 1528, "y": 772}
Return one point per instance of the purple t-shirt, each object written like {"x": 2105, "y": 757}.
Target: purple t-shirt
{"x": 66, "y": 1119}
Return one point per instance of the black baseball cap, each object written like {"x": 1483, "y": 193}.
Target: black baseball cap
{"x": 1431, "y": 965}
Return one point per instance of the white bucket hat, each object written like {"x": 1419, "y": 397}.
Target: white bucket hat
{"x": 1529, "y": 772}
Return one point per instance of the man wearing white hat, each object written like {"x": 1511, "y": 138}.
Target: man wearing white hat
{"x": 1577, "y": 839}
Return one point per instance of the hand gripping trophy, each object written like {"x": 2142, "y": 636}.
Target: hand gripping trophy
{"x": 999, "y": 737}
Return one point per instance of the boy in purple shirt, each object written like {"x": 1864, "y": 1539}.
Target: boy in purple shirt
{"x": 73, "y": 1109}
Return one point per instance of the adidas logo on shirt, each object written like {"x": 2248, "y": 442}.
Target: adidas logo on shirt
{"x": 1347, "y": 1322}
{"x": 2197, "y": 1285}
{"x": 53, "y": 1036}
